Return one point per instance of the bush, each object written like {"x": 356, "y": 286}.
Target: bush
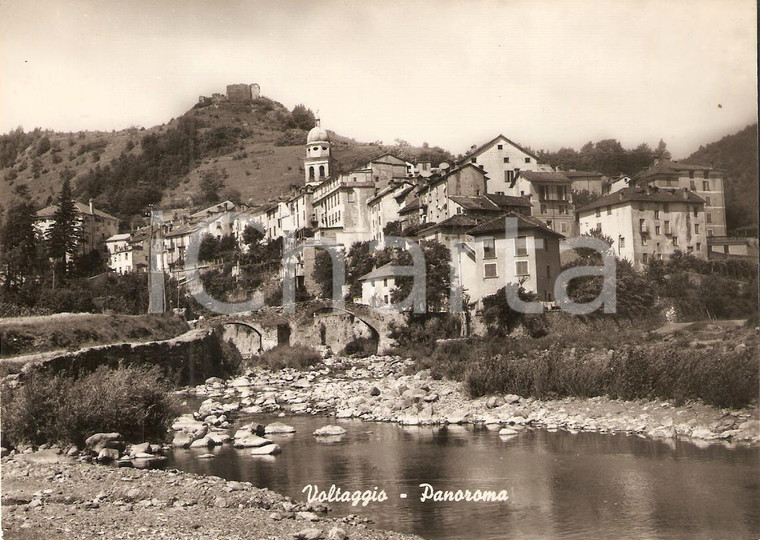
{"x": 716, "y": 375}
{"x": 361, "y": 347}
{"x": 286, "y": 356}
{"x": 132, "y": 400}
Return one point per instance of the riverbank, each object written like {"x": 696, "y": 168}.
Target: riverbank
{"x": 378, "y": 388}
{"x": 46, "y": 495}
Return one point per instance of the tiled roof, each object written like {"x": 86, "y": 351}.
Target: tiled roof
{"x": 118, "y": 237}
{"x": 480, "y": 149}
{"x": 474, "y": 202}
{"x": 508, "y": 200}
{"x": 458, "y": 221}
{"x": 670, "y": 168}
{"x": 435, "y": 179}
{"x": 412, "y": 206}
{"x": 583, "y": 174}
{"x": 496, "y": 225}
{"x": 388, "y": 270}
{"x": 537, "y": 176}
{"x": 639, "y": 194}
{"x": 49, "y": 211}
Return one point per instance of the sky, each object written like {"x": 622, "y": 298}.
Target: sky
{"x": 545, "y": 73}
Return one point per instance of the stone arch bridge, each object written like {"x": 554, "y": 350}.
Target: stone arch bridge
{"x": 314, "y": 324}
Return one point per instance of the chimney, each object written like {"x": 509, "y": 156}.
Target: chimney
{"x": 91, "y": 212}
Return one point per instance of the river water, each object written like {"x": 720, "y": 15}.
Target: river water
{"x": 560, "y": 485}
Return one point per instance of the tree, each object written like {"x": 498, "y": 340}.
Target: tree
{"x": 322, "y": 273}
{"x": 65, "y": 235}
{"x": 209, "y": 248}
{"x": 303, "y": 118}
{"x": 252, "y": 237}
{"x": 18, "y": 242}
{"x": 212, "y": 183}
{"x": 361, "y": 260}
{"x": 498, "y": 314}
{"x": 662, "y": 151}
{"x": 437, "y": 275}
{"x": 392, "y": 228}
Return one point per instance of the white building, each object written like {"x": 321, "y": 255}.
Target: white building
{"x": 649, "y": 223}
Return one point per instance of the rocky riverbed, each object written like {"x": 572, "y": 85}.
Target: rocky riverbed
{"x": 48, "y": 495}
{"x": 378, "y": 388}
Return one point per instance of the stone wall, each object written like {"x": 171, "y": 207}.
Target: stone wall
{"x": 187, "y": 359}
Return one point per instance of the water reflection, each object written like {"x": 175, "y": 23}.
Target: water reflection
{"x": 581, "y": 485}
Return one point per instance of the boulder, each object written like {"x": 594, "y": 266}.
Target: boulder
{"x": 278, "y": 428}
{"x": 266, "y": 450}
{"x": 251, "y": 441}
{"x": 203, "y": 442}
{"x": 312, "y": 533}
{"x": 211, "y": 381}
{"x": 108, "y": 454}
{"x": 142, "y": 448}
{"x": 328, "y": 431}
{"x": 375, "y": 391}
{"x": 336, "y": 533}
{"x": 507, "y": 432}
{"x": 182, "y": 440}
{"x": 98, "y": 441}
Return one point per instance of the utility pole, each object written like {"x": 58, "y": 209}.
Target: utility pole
{"x": 156, "y": 295}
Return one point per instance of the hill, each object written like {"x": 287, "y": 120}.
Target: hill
{"x": 738, "y": 155}
{"x": 255, "y": 147}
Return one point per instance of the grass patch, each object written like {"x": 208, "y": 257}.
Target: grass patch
{"x": 286, "y": 356}
{"x": 717, "y": 374}
{"x": 69, "y": 331}
{"x": 132, "y": 400}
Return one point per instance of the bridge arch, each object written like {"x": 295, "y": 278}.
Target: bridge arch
{"x": 246, "y": 338}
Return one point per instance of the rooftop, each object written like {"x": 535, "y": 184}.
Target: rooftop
{"x": 497, "y": 225}
{"x": 552, "y": 177}
{"x": 81, "y": 208}
{"x": 385, "y": 271}
{"x": 638, "y": 194}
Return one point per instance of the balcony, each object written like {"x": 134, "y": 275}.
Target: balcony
{"x": 644, "y": 229}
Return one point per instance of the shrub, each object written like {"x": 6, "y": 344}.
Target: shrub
{"x": 361, "y": 347}
{"x": 286, "y": 356}
{"x": 131, "y": 400}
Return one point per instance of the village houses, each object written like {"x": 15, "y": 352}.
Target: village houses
{"x": 95, "y": 225}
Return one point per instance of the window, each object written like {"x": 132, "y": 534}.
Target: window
{"x": 644, "y": 240}
{"x": 696, "y": 211}
{"x": 708, "y": 217}
{"x": 706, "y": 185}
{"x": 500, "y": 146}
{"x": 563, "y": 209}
{"x": 321, "y": 171}
{"x": 656, "y": 229}
{"x": 693, "y": 185}
{"x": 500, "y": 193}
{"x": 645, "y": 258}
{"x": 311, "y": 173}
{"x": 696, "y": 228}
{"x": 548, "y": 271}
{"x": 506, "y": 160}
{"x": 656, "y": 214}
{"x": 564, "y": 227}
{"x": 675, "y": 240}
{"x": 691, "y": 174}
{"x": 474, "y": 160}
{"x": 642, "y": 226}
{"x": 521, "y": 268}
{"x": 690, "y": 249}
{"x": 598, "y": 212}
{"x": 385, "y": 298}
{"x": 665, "y": 208}
{"x": 489, "y": 270}
{"x": 509, "y": 176}
{"x": 609, "y": 210}
{"x": 622, "y": 242}
{"x": 544, "y": 208}
{"x": 489, "y": 248}
{"x": 351, "y": 196}
{"x": 667, "y": 227}
{"x": 521, "y": 246}
{"x": 705, "y": 174}
{"x": 527, "y": 160}
{"x": 707, "y": 201}
{"x": 599, "y": 227}
{"x": 699, "y": 246}
{"x": 709, "y": 232}
{"x": 385, "y": 282}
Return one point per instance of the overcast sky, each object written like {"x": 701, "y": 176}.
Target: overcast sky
{"x": 546, "y": 73}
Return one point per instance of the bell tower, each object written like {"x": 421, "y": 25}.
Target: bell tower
{"x": 318, "y": 162}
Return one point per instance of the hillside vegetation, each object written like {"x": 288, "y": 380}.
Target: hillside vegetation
{"x": 738, "y": 155}
{"x": 255, "y": 148}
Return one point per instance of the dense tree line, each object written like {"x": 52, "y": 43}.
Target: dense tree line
{"x": 606, "y": 156}
{"x": 738, "y": 155}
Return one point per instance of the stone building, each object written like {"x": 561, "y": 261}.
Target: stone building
{"x": 649, "y": 223}
{"x": 706, "y": 182}
{"x": 95, "y": 225}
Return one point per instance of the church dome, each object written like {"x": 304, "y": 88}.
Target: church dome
{"x": 317, "y": 134}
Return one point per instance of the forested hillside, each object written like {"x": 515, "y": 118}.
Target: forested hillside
{"x": 738, "y": 155}
{"x": 250, "y": 152}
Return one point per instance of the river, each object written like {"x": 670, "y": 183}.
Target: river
{"x": 560, "y": 484}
